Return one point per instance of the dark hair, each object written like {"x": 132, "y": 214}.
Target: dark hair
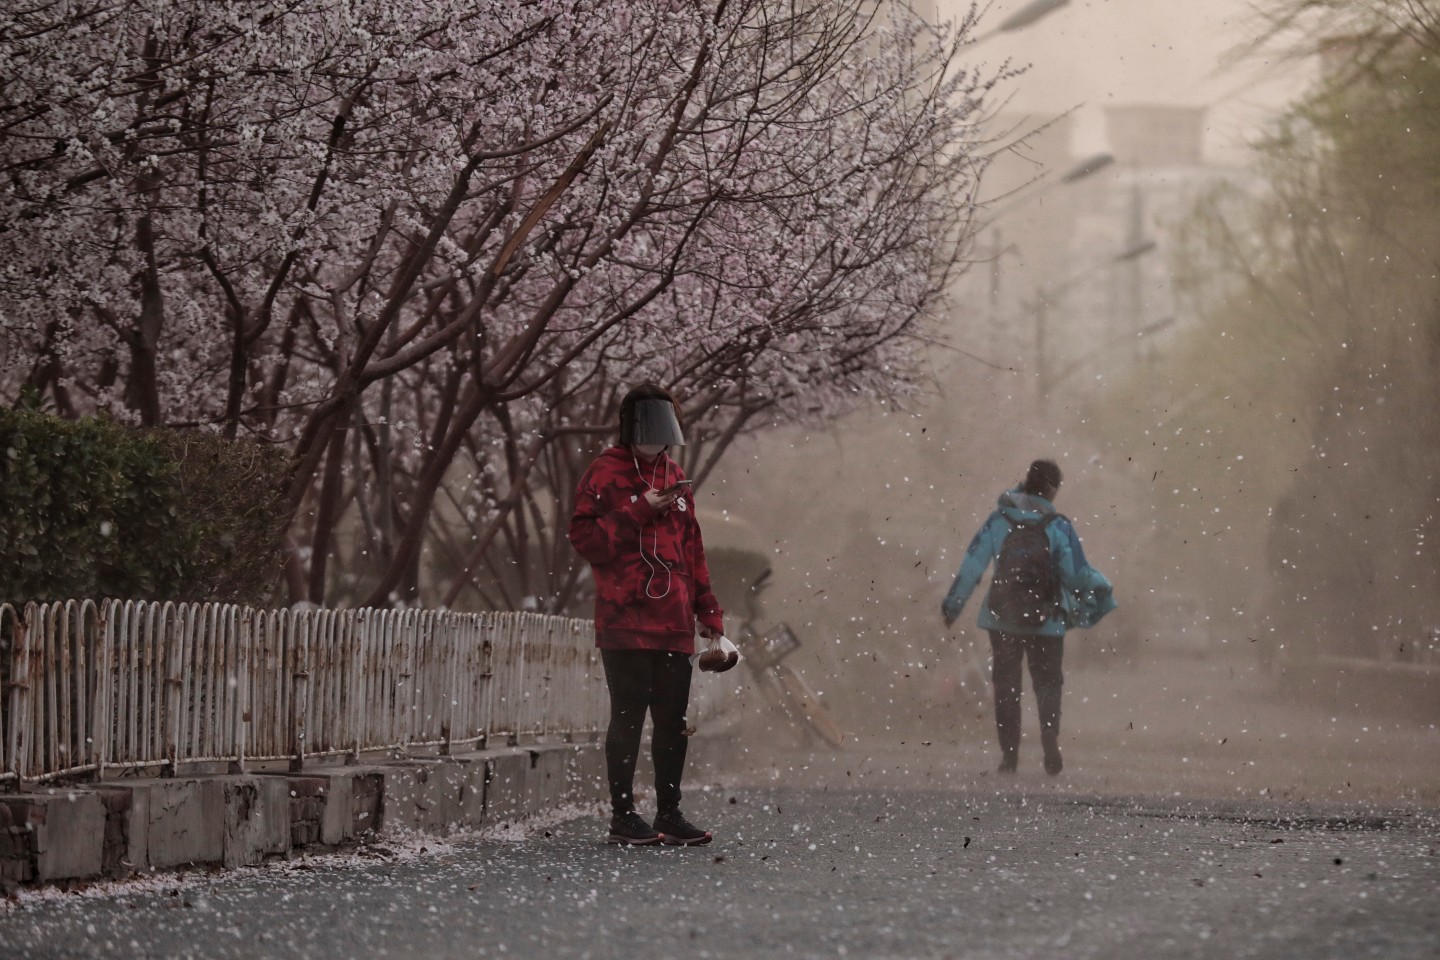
{"x": 645, "y": 391}
{"x": 1043, "y": 475}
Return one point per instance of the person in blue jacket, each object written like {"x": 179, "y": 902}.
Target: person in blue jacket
{"x": 1083, "y": 597}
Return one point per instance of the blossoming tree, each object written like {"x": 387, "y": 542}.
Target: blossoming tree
{"x": 426, "y": 246}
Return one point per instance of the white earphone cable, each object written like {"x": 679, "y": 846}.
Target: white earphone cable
{"x": 655, "y": 549}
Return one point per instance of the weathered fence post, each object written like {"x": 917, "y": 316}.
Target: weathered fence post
{"x": 452, "y": 628}
{"x": 18, "y": 730}
{"x": 102, "y": 704}
{"x": 170, "y": 641}
{"x": 242, "y": 624}
{"x": 361, "y": 622}
{"x": 300, "y": 647}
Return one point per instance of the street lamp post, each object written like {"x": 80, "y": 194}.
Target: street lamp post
{"x": 1134, "y": 238}
{"x": 1019, "y": 20}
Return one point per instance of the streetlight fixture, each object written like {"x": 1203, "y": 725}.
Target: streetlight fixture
{"x": 1087, "y": 166}
{"x": 1134, "y": 250}
{"x": 1023, "y": 17}
{"x": 1029, "y": 13}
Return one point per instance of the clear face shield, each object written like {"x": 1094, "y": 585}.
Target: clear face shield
{"x": 655, "y": 424}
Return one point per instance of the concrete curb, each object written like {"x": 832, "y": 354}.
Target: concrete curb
{"x": 126, "y": 828}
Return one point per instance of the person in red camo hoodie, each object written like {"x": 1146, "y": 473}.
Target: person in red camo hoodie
{"x": 637, "y": 529}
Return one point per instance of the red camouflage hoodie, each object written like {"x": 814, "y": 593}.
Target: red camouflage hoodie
{"x": 646, "y": 597}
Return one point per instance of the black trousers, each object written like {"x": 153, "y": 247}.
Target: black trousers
{"x": 641, "y": 680}
{"x": 1046, "y": 676}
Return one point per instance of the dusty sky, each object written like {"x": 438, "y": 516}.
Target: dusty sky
{"x": 1093, "y": 53}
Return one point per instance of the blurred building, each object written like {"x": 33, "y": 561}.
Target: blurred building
{"x": 1075, "y": 276}
{"x": 1156, "y": 137}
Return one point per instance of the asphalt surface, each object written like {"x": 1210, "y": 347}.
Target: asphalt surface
{"x": 1197, "y": 817}
{"x": 815, "y": 873}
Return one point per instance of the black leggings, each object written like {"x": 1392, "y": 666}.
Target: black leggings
{"x": 659, "y": 681}
{"x": 1045, "y": 655}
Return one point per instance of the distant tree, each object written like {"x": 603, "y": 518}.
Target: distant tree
{"x": 1312, "y": 436}
{"x": 401, "y": 239}
{"x": 1353, "y": 35}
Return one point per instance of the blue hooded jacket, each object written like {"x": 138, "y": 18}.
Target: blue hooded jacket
{"x": 1085, "y": 595}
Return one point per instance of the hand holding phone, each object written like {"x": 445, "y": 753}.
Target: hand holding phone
{"x": 662, "y": 500}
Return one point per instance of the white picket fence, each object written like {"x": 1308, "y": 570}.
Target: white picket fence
{"x": 103, "y": 687}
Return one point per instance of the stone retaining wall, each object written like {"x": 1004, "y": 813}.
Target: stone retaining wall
{"x": 130, "y": 827}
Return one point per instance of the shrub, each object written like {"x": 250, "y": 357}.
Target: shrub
{"x": 91, "y": 508}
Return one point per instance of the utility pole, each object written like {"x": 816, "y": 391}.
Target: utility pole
{"x": 1042, "y": 389}
{"x": 997, "y": 250}
{"x": 1134, "y": 241}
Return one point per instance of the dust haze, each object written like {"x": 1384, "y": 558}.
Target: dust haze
{"x": 1180, "y": 460}
{"x": 1175, "y": 694}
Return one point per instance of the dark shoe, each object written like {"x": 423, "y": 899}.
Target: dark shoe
{"x": 1053, "y": 763}
{"x": 1008, "y": 763}
{"x": 675, "y": 830}
{"x": 631, "y": 828}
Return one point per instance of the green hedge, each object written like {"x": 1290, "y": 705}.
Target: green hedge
{"x": 91, "y": 508}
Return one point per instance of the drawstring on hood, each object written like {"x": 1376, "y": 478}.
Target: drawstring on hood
{"x": 663, "y": 462}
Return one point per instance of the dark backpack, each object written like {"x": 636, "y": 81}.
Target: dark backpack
{"x": 1025, "y": 591}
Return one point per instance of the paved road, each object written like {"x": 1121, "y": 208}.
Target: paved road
{"x": 819, "y": 873}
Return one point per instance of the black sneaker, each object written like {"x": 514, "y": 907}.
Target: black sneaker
{"x": 1053, "y": 763}
{"x": 631, "y": 828}
{"x": 675, "y": 830}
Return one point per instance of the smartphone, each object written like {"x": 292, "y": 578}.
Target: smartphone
{"x": 677, "y": 486}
